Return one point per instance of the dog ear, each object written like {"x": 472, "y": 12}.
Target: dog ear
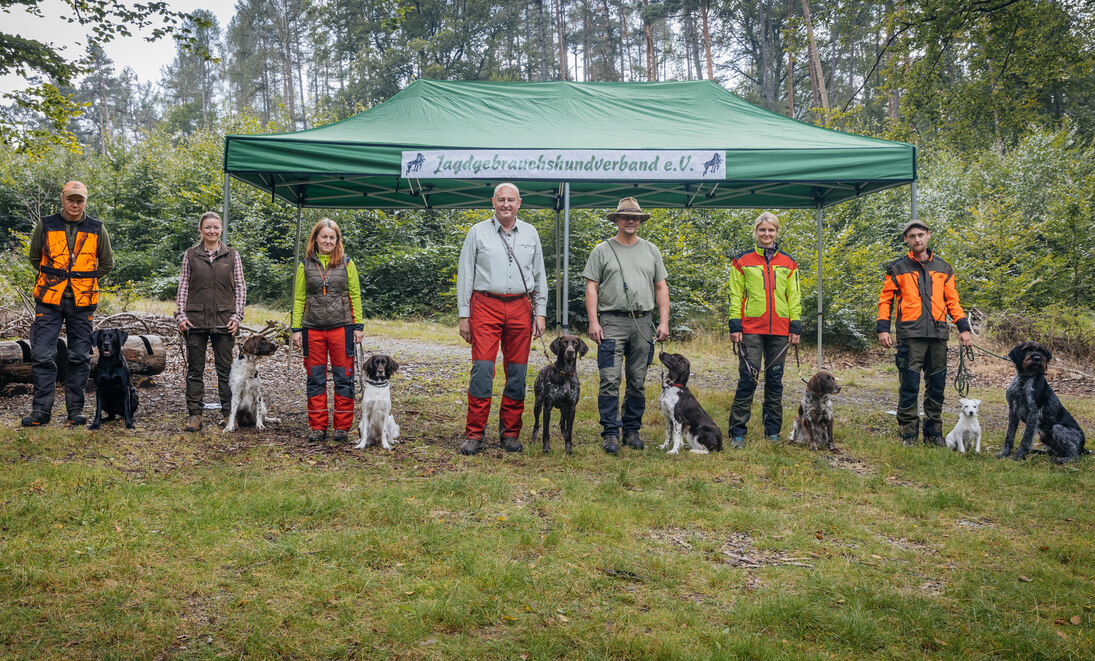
{"x": 582, "y": 348}
{"x": 1016, "y": 354}
{"x": 1045, "y": 352}
{"x": 122, "y": 337}
{"x": 393, "y": 366}
{"x": 554, "y": 346}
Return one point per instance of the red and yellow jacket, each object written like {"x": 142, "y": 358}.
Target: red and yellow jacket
{"x": 924, "y": 292}
{"x": 764, "y": 295}
{"x": 59, "y": 269}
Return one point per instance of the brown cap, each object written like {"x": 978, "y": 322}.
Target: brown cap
{"x": 74, "y": 188}
{"x": 914, "y": 223}
{"x": 628, "y": 207}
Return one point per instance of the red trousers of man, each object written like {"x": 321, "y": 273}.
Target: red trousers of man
{"x": 319, "y": 344}
{"x": 506, "y": 320}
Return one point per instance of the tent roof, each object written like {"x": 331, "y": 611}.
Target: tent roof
{"x": 770, "y": 160}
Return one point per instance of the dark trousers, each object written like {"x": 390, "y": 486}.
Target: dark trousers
{"x": 196, "y": 342}
{"x": 915, "y": 356}
{"x": 757, "y": 347}
{"x": 43, "y": 353}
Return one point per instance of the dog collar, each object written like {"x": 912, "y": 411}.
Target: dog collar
{"x": 377, "y": 384}
{"x": 564, "y": 373}
{"x": 674, "y": 385}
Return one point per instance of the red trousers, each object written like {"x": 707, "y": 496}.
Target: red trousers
{"x": 319, "y": 345}
{"x": 495, "y": 321}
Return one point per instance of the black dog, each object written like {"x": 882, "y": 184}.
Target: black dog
{"x": 557, "y": 386}
{"x": 685, "y": 419}
{"x": 113, "y": 391}
{"x": 1032, "y": 402}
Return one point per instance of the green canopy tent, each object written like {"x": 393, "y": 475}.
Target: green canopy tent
{"x": 688, "y": 144}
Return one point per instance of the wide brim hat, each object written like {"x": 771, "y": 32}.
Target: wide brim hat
{"x": 628, "y": 208}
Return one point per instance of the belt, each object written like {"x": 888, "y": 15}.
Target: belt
{"x": 501, "y": 297}
{"x": 625, "y": 313}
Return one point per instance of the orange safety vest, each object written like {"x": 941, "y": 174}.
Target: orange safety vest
{"x": 60, "y": 268}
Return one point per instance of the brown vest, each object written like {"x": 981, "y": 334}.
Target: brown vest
{"x": 326, "y": 305}
{"x": 212, "y": 299}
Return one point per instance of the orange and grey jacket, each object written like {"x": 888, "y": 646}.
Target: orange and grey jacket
{"x": 61, "y": 267}
{"x": 764, "y": 294}
{"x": 924, "y": 292}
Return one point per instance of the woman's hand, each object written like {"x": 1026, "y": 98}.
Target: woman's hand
{"x": 794, "y": 338}
{"x": 358, "y": 335}
{"x": 184, "y": 325}
{"x": 233, "y": 326}
{"x": 298, "y": 340}
{"x": 735, "y": 337}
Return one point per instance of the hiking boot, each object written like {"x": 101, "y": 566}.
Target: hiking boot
{"x": 511, "y": 444}
{"x": 632, "y": 440}
{"x": 772, "y": 438}
{"x": 471, "y": 446}
{"x": 612, "y": 444}
{"x": 341, "y": 435}
{"x": 935, "y": 440}
{"x": 194, "y": 422}
{"x": 36, "y": 418}
{"x": 77, "y": 419}
{"x": 317, "y": 435}
{"x": 737, "y": 443}
{"x": 908, "y": 441}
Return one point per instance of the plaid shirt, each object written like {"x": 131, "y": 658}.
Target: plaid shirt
{"x": 184, "y": 286}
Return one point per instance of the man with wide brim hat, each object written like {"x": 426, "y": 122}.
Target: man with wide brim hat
{"x": 71, "y": 251}
{"x": 625, "y": 280}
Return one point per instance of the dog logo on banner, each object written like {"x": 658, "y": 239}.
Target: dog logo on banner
{"x": 712, "y": 165}
{"x": 416, "y": 164}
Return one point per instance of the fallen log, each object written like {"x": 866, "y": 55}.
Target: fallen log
{"x": 145, "y": 355}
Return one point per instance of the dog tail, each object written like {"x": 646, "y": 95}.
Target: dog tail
{"x": 147, "y": 344}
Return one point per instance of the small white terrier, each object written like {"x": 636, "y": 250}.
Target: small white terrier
{"x": 968, "y": 430}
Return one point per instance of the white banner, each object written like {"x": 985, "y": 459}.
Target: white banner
{"x": 565, "y": 165}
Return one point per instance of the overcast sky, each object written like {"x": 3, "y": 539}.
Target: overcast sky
{"x": 147, "y": 59}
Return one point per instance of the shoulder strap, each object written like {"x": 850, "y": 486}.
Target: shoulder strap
{"x": 502, "y": 238}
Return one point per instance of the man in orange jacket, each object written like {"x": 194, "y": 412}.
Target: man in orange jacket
{"x": 921, "y": 286}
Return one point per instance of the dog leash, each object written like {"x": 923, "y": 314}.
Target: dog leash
{"x": 962, "y": 375}
{"x": 359, "y": 358}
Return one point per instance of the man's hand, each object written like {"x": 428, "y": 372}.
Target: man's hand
{"x": 794, "y": 338}
{"x": 184, "y": 325}
{"x": 966, "y": 338}
{"x": 298, "y": 340}
{"x": 465, "y": 329}
{"x": 885, "y": 340}
{"x": 233, "y": 326}
{"x": 735, "y": 338}
{"x": 596, "y": 333}
{"x": 663, "y": 331}
{"x": 538, "y": 325}
{"x": 358, "y": 335}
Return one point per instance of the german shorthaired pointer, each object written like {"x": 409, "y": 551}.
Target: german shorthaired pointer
{"x": 557, "y": 386}
{"x": 1032, "y": 402}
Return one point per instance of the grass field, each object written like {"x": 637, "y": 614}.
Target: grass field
{"x": 120, "y": 545}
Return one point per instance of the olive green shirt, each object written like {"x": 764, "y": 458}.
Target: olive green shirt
{"x": 642, "y": 268}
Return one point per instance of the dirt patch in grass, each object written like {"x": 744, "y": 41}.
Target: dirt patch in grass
{"x": 735, "y": 549}
{"x": 975, "y": 524}
{"x": 849, "y": 463}
{"x": 909, "y": 544}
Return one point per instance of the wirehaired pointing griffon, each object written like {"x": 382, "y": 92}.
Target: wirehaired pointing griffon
{"x": 1032, "y": 402}
{"x": 557, "y": 386}
{"x": 248, "y": 407}
{"x": 814, "y": 422}
{"x": 685, "y": 419}
{"x": 377, "y": 422}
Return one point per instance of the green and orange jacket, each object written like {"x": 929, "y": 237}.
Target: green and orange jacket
{"x": 764, "y": 294}
{"x": 923, "y": 293}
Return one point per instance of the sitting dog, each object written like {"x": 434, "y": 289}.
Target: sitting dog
{"x": 968, "y": 430}
{"x": 376, "y": 404}
{"x": 557, "y": 386}
{"x": 685, "y": 419}
{"x": 248, "y": 407}
{"x": 814, "y": 422}
{"x": 1032, "y": 402}
{"x": 113, "y": 391}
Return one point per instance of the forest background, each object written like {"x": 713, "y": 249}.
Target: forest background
{"x": 999, "y": 96}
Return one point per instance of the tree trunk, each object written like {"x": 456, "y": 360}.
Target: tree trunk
{"x": 543, "y": 39}
{"x": 891, "y": 56}
{"x": 15, "y": 363}
{"x": 815, "y": 59}
{"x": 560, "y": 26}
{"x": 707, "y": 42}
{"x": 648, "y": 32}
{"x": 790, "y": 61}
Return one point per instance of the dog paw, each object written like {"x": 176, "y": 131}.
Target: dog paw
{"x": 130, "y": 425}
{"x": 1003, "y": 454}
{"x": 93, "y": 426}
{"x": 260, "y": 426}
{"x": 673, "y": 451}
{"x": 360, "y": 445}
{"x": 1018, "y": 456}
{"x": 699, "y": 451}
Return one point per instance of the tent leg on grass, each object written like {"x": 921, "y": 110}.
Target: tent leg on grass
{"x": 566, "y": 257}
{"x": 558, "y": 280}
{"x": 820, "y": 258}
{"x": 293, "y": 282}
{"x": 227, "y": 196}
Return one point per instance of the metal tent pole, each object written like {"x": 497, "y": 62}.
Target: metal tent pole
{"x": 227, "y": 196}
{"x": 820, "y": 259}
{"x": 558, "y": 281}
{"x": 293, "y": 281}
{"x": 566, "y": 257}
{"x": 913, "y": 205}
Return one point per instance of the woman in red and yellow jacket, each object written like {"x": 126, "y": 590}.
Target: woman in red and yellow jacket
{"x": 765, "y": 314}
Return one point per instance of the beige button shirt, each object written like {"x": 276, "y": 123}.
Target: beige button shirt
{"x": 485, "y": 264}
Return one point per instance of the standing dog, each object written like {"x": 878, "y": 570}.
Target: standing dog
{"x": 248, "y": 407}
{"x": 1032, "y": 402}
{"x": 685, "y": 419}
{"x": 113, "y": 391}
{"x": 557, "y": 386}
{"x": 814, "y": 422}
{"x": 376, "y": 404}
{"x": 968, "y": 430}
